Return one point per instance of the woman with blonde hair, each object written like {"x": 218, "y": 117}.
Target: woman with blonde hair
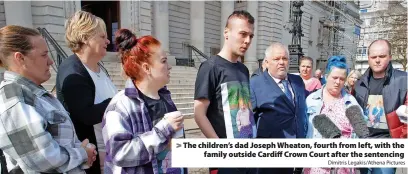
{"x": 136, "y": 131}
{"x": 351, "y": 80}
{"x": 36, "y": 133}
{"x": 82, "y": 85}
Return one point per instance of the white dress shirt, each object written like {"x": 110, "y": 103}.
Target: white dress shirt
{"x": 278, "y": 81}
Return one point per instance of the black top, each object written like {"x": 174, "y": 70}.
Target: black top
{"x": 226, "y": 86}
{"x": 76, "y": 91}
{"x": 376, "y": 88}
{"x": 157, "y": 107}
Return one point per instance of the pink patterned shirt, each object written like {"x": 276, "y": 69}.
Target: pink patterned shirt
{"x": 312, "y": 84}
{"x": 336, "y": 111}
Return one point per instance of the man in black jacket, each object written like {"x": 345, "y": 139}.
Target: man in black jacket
{"x": 380, "y": 91}
{"x": 260, "y": 70}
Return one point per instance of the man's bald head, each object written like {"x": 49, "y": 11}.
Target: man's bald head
{"x": 380, "y": 41}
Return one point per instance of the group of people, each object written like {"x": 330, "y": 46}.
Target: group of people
{"x": 89, "y": 127}
{"x": 277, "y": 104}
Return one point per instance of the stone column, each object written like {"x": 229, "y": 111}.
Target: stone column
{"x": 251, "y": 60}
{"x": 18, "y": 13}
{"x": 197, "y": 17}
{"x": 227, "y": 7}
{"x": 125, "y": 12}
{"x": 161, "y": 23}
{"x": 161, "y": 27}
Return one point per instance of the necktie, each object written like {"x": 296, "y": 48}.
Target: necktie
{"x": 287, "y": 91}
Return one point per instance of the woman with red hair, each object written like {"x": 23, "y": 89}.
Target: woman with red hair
{"x": 136, "y": 133}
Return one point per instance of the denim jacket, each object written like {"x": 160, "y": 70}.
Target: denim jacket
{"x": 314, "y": 103}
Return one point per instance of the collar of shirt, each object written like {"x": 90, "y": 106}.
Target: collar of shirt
{"x": 17, "y": 78}
{"x": 276, "y": 79}
{"x": 132, "y": 92}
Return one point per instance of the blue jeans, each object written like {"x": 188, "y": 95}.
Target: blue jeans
{"x": 377, "y": 170}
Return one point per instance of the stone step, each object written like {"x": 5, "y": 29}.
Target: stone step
{"x": 172, "y": 76}
{"x": 181, "y": 95}
{"x": 118, "y": 64}
{"x": 186, "y": 110}
{"x": 185, "y": 104}
{"x": 170, "y": 85}
{"x": 116, "y": 76}
{"x": 187, "y": 71}
{"x": 183, "y": 68}
{"x": 111, "y": 65}
{"x": 182, "y": 99}
{"x": 118, "y": 70}
{"x": 183, "y": 75}
{"x": 118, "y": 82}
{"x": 114, "y": 70}
{"x": 190, "y": 123}
{"x": 182, "y": 81}
{"x": 181, "y": 90}
{"x": 120, "y": 87}
{"x": 173, "y": 88}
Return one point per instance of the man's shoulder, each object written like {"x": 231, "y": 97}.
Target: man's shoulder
{"x": 400, "y": 74}
{"x": 71, "y": 65}
{"x": 256, "y": 77}
{"x": 358, "y": 83}
{"x": 208, "y": 64}
{"x": 295, "y": 78}
{"x": 257, "y": 72}
{"x": 401, "y": 78}
{"x": 68, "y": 62}
{"x": 122, "y": 103}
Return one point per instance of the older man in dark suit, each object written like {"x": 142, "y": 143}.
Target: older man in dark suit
{"x": 278, "y": 100}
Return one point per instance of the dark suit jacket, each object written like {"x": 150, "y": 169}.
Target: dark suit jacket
{"x": 276, "y": 116}
{"x": 76, "y": 91}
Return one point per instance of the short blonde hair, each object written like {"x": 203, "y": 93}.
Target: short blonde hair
{"x": 354, "y": 72}
{"x": 80, "y": 27}
{"x": 351, "y": 73}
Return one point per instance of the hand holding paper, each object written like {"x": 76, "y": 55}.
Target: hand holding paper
{"x": 176, "y": 120}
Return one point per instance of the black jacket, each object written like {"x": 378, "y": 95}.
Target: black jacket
{"x": 257, "y": 72}
{"x": 394, "y": 90}
{"x": 76, "y": 91}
